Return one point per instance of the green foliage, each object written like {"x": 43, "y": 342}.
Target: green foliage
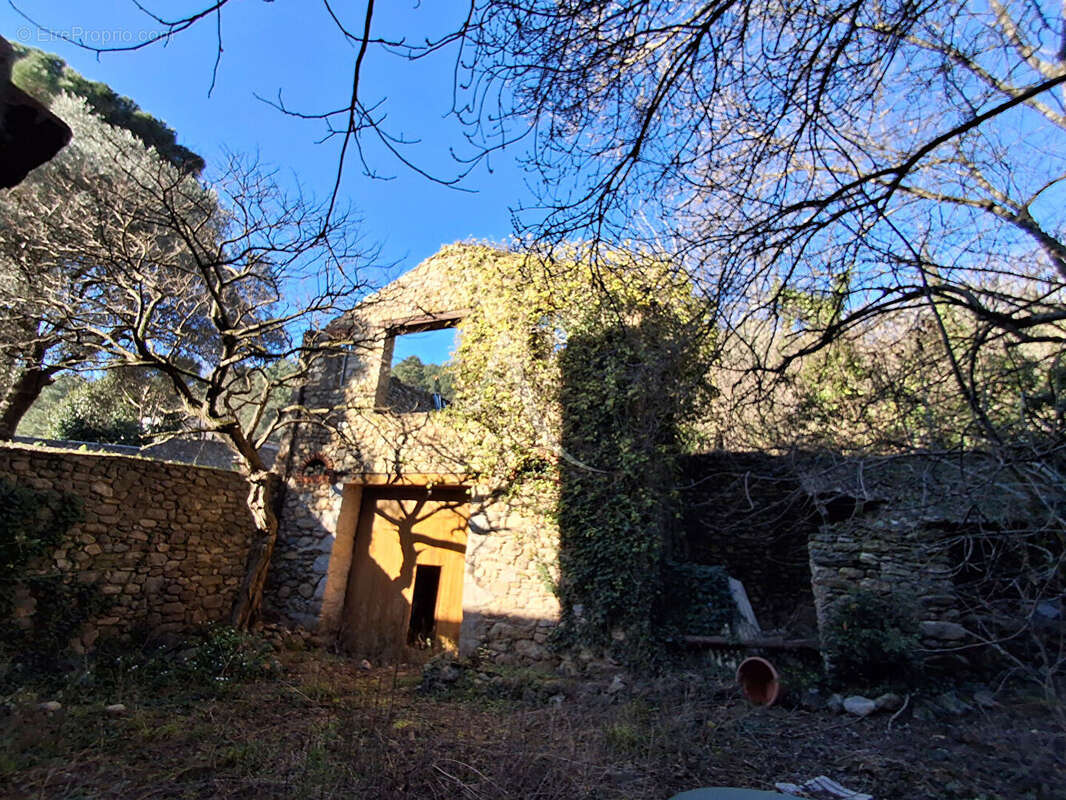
{"x": 427, "y": 377}
{"x": 44, "y": 76}
{"x": 411, "y": 371}
{"x": 32, "y": 524}
{"x": 697, "y": 600}
{"x": 124, "y": 406}
{"x": 93, "y": 412}
{"x": 203, "y": 663}
{"x": 626, "y": 389}
{"x": 871, "y": 639}
{"x": 580, "y": 384}
{"x": 38, "y": 420}
{"x": 208, "y": 662}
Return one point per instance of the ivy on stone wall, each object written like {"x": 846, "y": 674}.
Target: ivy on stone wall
{"x": 697, "y": 599}
{"x": 580, "y": 387}
{"x": 32, "y": 524}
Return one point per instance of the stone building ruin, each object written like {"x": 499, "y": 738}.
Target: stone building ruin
{"x": 386, "y": 540}
{"x": 382, "y": 519}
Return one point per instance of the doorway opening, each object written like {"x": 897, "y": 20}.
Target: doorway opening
{"x": 420, "y": 631}
{"x": 405, "y": 584}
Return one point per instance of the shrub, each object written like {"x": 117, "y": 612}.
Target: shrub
{"x": 870, "y": 638}
{"x": 696, "y": 599}
{"x": 218, "y": 655}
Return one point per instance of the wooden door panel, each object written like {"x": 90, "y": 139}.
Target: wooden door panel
{"x": 397, "y": 532}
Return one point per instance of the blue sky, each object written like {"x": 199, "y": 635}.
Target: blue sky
{"x": 292, "y": 46}
{"x": 432, "y": 347}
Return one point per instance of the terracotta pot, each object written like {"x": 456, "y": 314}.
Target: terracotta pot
{"x": 759, "y": 681}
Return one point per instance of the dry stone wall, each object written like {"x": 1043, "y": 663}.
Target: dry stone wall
{"x": 893, "y": 556}
{"x": 165, "y": 543}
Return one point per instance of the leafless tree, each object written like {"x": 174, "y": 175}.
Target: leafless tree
{"x": 889, "y": 156}
{"x": 214, "y": 287}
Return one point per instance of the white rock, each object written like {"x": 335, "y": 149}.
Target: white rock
{"x": 115, "y": 709}
{"x": 50, "y": 706}
{"x": 859, "y": 706}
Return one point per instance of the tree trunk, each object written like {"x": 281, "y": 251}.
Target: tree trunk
{"x": 262, "y": 490}
{"x": 18, "y": 398}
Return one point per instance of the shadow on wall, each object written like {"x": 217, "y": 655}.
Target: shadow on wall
{"x": 407, "y": 567}
{"x": 749, "y": 513}
{"x": 617, "y": 496}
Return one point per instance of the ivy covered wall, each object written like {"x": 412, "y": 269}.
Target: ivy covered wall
{"x": 575, "y": 393}
{"x": 150, "y": 545}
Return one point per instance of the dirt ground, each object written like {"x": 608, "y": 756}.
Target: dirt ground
{"x": 326, "y": 728}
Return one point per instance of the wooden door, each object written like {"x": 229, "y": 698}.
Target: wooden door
{"x": 399, "y": 530}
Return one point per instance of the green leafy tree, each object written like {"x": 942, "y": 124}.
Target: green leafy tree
{"x": 47, "y": 277}
{"x": 411, "y": 371}
{"x": 46, "y": 76}
{"x": 434, "y": 378}
{"x": 38, "y": 420}
{"x": 94, "y": 412}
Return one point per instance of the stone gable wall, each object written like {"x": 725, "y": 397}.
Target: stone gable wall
{"x": 508, "y": 606}
{"x": 166, "y": 543}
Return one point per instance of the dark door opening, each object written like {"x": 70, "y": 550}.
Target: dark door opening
{"x": 424, "y": 606}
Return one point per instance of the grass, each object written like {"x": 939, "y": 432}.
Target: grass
{"x": 324, "y": 728}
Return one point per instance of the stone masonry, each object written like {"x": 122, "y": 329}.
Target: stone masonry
{"x": 891, "y": 557}
{"x": 166, "y": 543}
{"x": 888, "y": 527}
{"x": 508, "y": 605}
{"x": 888, "y": 543}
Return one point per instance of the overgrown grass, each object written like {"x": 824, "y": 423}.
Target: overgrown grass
{"x": 324, "y": 728}
{"x": 201, "y": 665}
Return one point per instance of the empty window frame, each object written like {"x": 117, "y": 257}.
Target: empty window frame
{"x": 417, "y": 373}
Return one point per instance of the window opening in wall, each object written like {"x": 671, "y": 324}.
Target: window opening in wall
{"x": 422, "y": 374}
{"x": 423, "y": 607}
{"x": 342, "y": 370}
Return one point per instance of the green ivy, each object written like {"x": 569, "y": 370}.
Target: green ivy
{"x": 697, "y": 599}
{"x": 871, "y": 639}
{"x": 32, "y": 524}
{"x": 579, "y": 384}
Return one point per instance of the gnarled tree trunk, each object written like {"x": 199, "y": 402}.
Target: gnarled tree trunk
{"x": 19, "y": 396}
{"x": 262, "y": 491}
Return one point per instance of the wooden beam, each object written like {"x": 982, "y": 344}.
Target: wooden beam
{"x": 425, "y": 322}
{"x": 754, "y": 644}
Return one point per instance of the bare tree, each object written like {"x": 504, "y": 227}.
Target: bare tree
{"x": 910, "y": 153}
{"x": 210, "y": 286}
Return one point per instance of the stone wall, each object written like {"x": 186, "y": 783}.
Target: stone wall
{"x": 894, "y": 556}
{"x": 890, "y": 523}
{"x": 748, "y": 513}
{"x": 165, "y": 543}
{"x": 508, "y": 604}
{"x": 757, "y": 514}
